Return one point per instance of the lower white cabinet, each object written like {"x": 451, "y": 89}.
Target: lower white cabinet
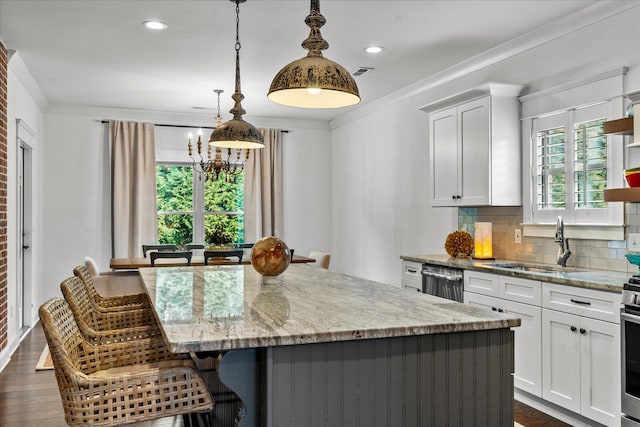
{"x": 567, "y": 349}
{"x": 527, "y": 355}
{"x": 581, "y": 365}
{"x": 412, "y": 275}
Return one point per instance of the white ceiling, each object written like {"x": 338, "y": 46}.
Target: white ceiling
{"x": 95, "y": 53}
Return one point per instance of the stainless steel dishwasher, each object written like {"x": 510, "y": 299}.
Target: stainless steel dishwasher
{"x": 444, "y": 282}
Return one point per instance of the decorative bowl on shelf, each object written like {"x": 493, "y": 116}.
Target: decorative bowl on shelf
{"x": 632, "y": 177}
{"x": 634, "y": 258}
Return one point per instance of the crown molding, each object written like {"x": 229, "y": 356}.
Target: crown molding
{"x": 544, "y": 34}
{"x": 22, "y": 73}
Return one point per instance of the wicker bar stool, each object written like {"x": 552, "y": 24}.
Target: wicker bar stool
{"x": 113, "y": 303}
{"x": 120, "y": 383}
{"x": 106, "y": 327}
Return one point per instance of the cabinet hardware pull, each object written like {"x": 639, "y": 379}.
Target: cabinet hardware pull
{"x": 573, "y": 329}
{"x": 494, "y": 309}
{"x": 500, "y": 310}
{"x": 441, "y": 276}
{"x": 412, "y": 271}
{"x": 580, "y": 302}
{"x": 453, "y": 197}
{"x": 582, "y": 331}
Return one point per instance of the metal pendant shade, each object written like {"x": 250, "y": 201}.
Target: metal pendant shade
{"x": 314, "y": 81}
{"x": 237, "y": 133}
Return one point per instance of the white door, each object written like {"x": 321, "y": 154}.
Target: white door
{"x": 24, "y": 215}
{"x": 600, "y": 364}
{"x": 528, "y": 351}
{"x": 561, "y": 359}
{"x": 474, "y": 169}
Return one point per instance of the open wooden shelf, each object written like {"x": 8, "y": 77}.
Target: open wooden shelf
{"x": 622, "y": 194}
{"x": 619, "y": 127}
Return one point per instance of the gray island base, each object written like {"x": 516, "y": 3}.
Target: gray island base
{"x": 325, "y": 349}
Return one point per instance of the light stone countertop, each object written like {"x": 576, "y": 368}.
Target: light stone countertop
{"x": 227, "y": 307}
{"x": 610, "y": 281}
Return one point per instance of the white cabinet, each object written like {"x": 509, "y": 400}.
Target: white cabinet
{"x": 412, "y": 275}
{"x": 580, "y": 354}
{"x": 527, "y": 361}
{"x": 475, "y": 151}
{"x": 520, "y": 298}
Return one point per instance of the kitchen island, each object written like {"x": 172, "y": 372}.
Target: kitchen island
{"x": 325, "y": 349}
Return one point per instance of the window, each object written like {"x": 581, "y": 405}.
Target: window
{"x": 572, "y": 161}
{"x": 193, "y": 209}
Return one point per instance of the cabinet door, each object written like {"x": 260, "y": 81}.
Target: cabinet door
{"x": 411, "y": 275}
{"x": 528, "y": 352}
{"x": 474, "y": 169}
{"x": 561, "y": 359}
{"x": 444, "y": 157}
{"x": 600, "y": 342}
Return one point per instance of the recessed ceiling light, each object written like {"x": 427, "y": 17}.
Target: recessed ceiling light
{"x": 154, "y": 25}
{"x": 374, "y": 49}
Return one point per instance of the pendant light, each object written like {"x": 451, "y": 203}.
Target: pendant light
{"x": 314, "y": 81}
{"x": 237, "y": 133}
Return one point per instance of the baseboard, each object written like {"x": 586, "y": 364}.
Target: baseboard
{"x": 12, "y": 346}
{"x": 569, "y": 417}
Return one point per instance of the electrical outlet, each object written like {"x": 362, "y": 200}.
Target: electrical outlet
{"x": 633, "y": 243}
{"x": 518, "y": 235}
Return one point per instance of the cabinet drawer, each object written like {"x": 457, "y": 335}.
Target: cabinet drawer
{"x": 412, "y": 285}
{"x": 583, "y": 302}
{"x": 520, "y": 290}
{"x": 411, "y": 271}
{"x": 481, "y": 283}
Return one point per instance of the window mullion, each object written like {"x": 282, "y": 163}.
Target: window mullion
{"x": 570, "y": 168}
{"x": 198, "y": 208}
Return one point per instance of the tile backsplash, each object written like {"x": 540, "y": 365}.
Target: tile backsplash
{"x": 586, "y": 253}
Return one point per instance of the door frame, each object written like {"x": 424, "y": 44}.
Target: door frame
{"x": 24, "y": 226}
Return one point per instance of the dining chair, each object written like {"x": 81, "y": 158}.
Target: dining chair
{"x": 119, "y": 383}
{"x": 106, "y": 327}
{"x": 158, "y": 247}
{"x": 178, "y": 254}
{"x": 223, "y": 254}
{"x": 322, "y": 259}
{"x": 111, "y": 303}
{"x": 192, "y": 246}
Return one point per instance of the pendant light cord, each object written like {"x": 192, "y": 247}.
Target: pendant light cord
{"x": 237, "y": 109}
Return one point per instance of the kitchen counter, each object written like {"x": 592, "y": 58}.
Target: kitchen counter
{"x": 322, "y": 348}
{"x": 610, "y": 281}
{"x": 228, "y": 307}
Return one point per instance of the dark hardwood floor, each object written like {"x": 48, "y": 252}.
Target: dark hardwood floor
{"x": 30, "y": 398}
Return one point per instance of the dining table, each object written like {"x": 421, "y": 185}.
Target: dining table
{"x": 196, "y": 260}
{"x": 313, "y": 347}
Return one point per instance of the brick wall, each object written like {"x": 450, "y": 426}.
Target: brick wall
{"x": 3, "y": 197}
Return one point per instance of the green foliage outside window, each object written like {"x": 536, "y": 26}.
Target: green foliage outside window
{"x": 223, "y": 207}
{"x": 174, "y": 188}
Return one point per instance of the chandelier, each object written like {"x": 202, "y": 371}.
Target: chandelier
{"x": 212, "y": 168}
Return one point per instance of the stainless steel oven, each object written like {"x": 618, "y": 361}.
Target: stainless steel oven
{"x": 630, "y": 352}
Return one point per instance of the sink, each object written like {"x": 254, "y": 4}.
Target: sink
{"x": 533, "y": 268}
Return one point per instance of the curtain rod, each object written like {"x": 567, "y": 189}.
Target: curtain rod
{"x": 185, "y": 126}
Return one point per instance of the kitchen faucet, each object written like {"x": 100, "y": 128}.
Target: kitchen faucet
{"x": 563, "y": 251}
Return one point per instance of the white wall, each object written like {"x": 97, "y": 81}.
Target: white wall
{"x": 77, "y": 182}
{"x": 25, "y": 102}
{"x": 380, "y": 202}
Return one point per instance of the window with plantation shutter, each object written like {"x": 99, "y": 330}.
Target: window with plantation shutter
{"x": 571, "y": 166}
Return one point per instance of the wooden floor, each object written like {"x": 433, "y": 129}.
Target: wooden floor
{"x": 30, "y": 398}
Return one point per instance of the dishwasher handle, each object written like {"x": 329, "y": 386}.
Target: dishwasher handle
{"x": 450, "y": 278}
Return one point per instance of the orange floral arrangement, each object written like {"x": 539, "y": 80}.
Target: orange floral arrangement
{"x": 459, "y": 243}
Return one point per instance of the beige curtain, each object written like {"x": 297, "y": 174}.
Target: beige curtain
{"x": 133, "y": 187}
{"x": 263, "y": 189}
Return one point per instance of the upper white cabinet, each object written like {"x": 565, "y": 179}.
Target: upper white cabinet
{"x": 475, "y": 148}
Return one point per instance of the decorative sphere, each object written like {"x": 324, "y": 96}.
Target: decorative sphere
{"x": 270, "y": 256}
